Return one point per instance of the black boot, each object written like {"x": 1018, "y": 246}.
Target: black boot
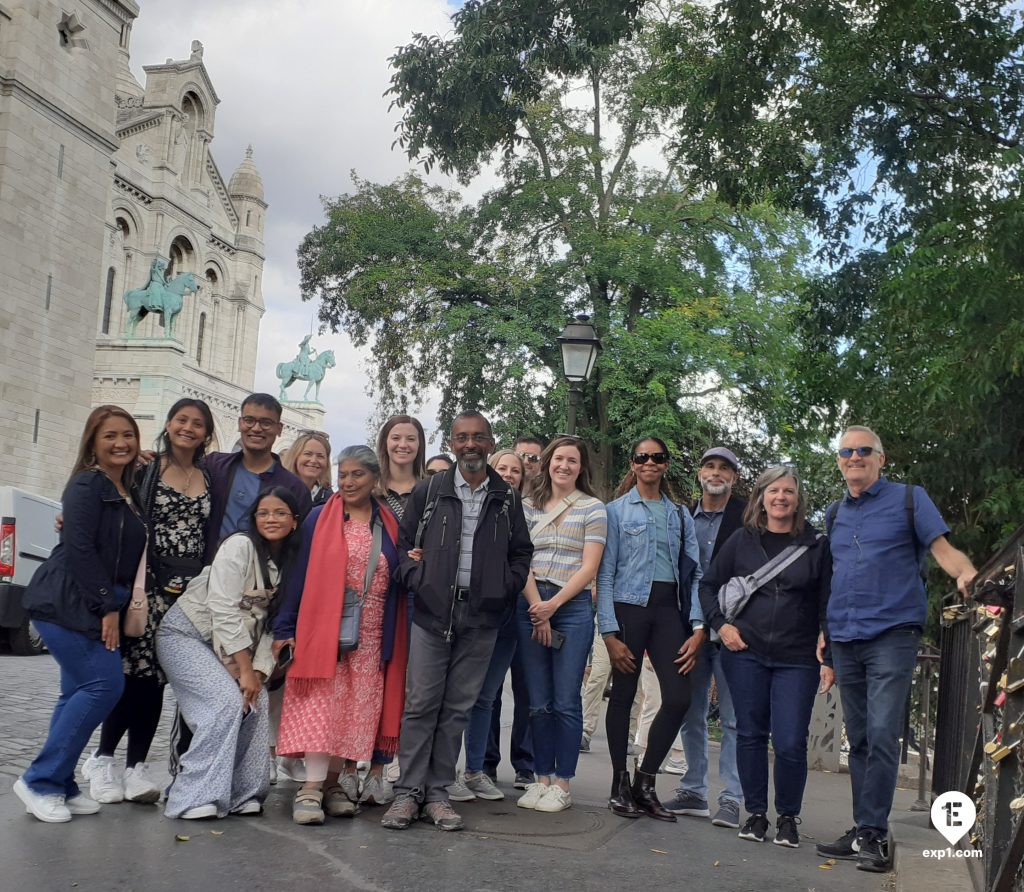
{"x": 646, "y": 797}
{"x": 621, "y": 801}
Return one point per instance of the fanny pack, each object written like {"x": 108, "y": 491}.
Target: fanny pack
{"x": 734, "y": 595}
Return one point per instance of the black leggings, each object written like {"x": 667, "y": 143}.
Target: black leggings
{"x": 138, "y": 714}
{"x": 656, "y": 629}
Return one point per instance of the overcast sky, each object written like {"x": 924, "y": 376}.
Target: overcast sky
{"x": 303, "y": 82}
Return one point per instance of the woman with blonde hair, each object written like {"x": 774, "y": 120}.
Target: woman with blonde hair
{"x": 309, "y": 459}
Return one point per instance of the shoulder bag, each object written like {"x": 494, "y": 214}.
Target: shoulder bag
{"x": 734, "y": 595}
{"x": 352, "y": 609}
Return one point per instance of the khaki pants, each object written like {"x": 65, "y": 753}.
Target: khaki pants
{"x": 593, "y": 690}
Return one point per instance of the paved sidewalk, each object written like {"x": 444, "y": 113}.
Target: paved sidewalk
{"x": 133, "y": 847}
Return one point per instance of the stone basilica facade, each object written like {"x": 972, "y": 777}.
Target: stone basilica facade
{"x": 100, "y": 176}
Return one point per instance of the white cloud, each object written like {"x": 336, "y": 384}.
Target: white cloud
{"x": 303, "y": 83}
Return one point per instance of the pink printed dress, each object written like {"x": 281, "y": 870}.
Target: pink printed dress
{"x": 340, "y": 715}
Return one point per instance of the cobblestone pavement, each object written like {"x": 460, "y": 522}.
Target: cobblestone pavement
{"x": 133, "y": 847}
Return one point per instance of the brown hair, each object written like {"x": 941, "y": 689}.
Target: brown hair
{"x": 540, "y": 489}
{"x": 629, "y": 480}
{"x": 503, "y": 453}
{"x": 86, "y": 458}
{"x": 755, "y": 516}
{"x": 419, "y": 463}
{"x": 290, "y": 457}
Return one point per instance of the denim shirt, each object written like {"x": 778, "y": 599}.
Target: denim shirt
{"x": 627, "y": 566}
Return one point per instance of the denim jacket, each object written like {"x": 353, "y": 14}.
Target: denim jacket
{"x": 627, "y": 566}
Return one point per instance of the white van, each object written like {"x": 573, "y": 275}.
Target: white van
{"x": 27, "y": 537}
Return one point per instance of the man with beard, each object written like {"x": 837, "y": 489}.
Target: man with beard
{"x": 716, "y": 517}
{"x": 464, "y": 551}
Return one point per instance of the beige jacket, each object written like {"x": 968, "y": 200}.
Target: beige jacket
{"x": 231, "y": 614}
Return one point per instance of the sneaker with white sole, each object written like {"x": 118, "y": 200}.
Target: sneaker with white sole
{"x": 375, "y": 791}
{"x": 481, "y": 786}
{"x": 289, "y": 768}
{"x": 555, "y": 799}
{"x": 728, "y": 814}
{"x": 139, "y": 786}
{"x": 51, "y": 809}
{"x": 106, "y": 780}
{"x": 199, "y": 812}
{"x": 82, "y": 805}
{"x": 249, "y": 808}
{"x": 675, "y": 765}
{"x": 459, "y": 792}
{"x": 89, "y": 765}
{"x": 532, "y": 796}
{"x": 685, "y": 802}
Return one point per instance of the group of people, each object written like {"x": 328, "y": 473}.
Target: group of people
{"x": 372, "y": 625}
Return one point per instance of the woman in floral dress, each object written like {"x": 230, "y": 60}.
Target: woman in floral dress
{"x": 175, "y": 496}
{"x": 341, "y": 707}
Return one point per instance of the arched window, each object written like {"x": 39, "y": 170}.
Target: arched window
{"x": 182, "y": 256}
{"x": 199, "y": 339}
{"x": 108, "y": 301}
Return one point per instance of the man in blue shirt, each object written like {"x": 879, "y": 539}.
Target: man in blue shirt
{"x": 879, "y": 537}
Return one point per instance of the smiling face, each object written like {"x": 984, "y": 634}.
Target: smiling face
{"x": 402, "y": 444}
{"x": 115, "y": 446}
{"x": 355, "y": 482}
{"x": 471, "y": 443}
{"x": 274, "y": 519}
{"x": 717, "y": 476}
{"x": 565, "y": 467}
{"x": 780, "y": 500}
{"x": 187, "y": 429}
{"x": 860, "y": 471}
{"x": 259, "y": 428}
{"x": 311, "y": 462}
{"x": 530, "y": 454}
{"x": 649, "y": 472}
{"x": 510, "y": 469}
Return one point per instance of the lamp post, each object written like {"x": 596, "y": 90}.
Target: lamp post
{"x": 580, "y": 345}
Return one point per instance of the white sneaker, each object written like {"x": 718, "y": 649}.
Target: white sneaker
{"x": 554, "y": 800}
{"x": 106, "y": 780}
{"x": 534, "y": 793}
{"x": 247, "y": 808}
{"x": 139, "y": 786}
{"x": 459, "y": 792}
{"x": 199, "y": 812}
{"x": 89, "y": 765}
{"x": 289, "y": 768}
{"x": 392, "y": 771}
{"x": 675, "y": 765}
{"x": 50, "y": 809}
{"x": 82, "y": 805}
{"x": 273, "y": 770}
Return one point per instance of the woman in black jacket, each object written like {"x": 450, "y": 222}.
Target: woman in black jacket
{"x": 75, "y": 600}
{"x": 771, "y": 647}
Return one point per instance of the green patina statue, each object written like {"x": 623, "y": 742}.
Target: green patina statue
{"x": 159, "y": 296}
{"x": 305, "y": 368}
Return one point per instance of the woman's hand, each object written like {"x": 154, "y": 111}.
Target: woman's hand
{"x": 687, "y": 658}
{"x": 110, "y": 630}
{"x": 251, "y": 683}
{"x": 415, "y": 554}
{"x": 277, "y": 646}
{"x": 542, "y": 633}
{"x": 731, "y": 637}
{"x": 542, "y": 611}
{"x": 620, "y": 656}
{"x": 828, "y": 678}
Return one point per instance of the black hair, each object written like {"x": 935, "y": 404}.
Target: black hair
{"x": 289, "y": 545}
{"x": 440, "y": 457}
{"x": 164, "y": 442}
{"x": 473, "y": 413}
{"x": 629, "y": 481}
{"x": 265, "y": 401}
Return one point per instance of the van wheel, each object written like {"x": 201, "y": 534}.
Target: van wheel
{"x": 26, "y": 641}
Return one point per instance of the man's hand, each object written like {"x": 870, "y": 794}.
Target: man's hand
{"x": 828, "y": 678}
{"x": 687, "y": 658}
{"x": 731, "y": 637}
{"x": 110, "y": 630}
{"x": 620, "y": 656}
{"x": 964, "y": 580}
{"x": 820, "y": 649}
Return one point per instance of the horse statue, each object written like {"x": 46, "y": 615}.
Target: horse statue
{"x": 290, "y": 372}
{"x": 165, "y": 298}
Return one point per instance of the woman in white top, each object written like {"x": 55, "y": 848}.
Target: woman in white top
{"x": 568, "y": 525}
{"x": 215, "y": 647}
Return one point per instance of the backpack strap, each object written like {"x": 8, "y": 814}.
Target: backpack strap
{"x": 428, "y": 510}
{"x": 830, "y": 517}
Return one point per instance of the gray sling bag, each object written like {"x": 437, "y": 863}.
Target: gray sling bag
{"x": 733, "y": 596}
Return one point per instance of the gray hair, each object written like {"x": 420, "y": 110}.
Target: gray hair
{"x": 362, "y": 454}
{"x": 860, "y": 429}
{"x": 754, "y": 517}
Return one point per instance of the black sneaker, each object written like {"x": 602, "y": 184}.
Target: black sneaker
{"x": 843, "y": 849}
{"x": 524, "y": 779}
{"x": 873, "y": 853}
{"x": 755, "y": 829}
{"x": 786, "y": 833}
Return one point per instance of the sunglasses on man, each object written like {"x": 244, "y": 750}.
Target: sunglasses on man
{"x": 529, "y": 457}
{"x": 862, "y": 451}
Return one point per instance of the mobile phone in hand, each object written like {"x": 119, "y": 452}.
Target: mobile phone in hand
{"x": 285, "y": 657}
{"x": 557, "y": 639}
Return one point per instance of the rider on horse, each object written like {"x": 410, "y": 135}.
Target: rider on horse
{"x": 305, "y": 358}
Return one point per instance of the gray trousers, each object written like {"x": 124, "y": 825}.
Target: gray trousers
{"x": 442, "y": 684}
{"x": 228, "y": 762}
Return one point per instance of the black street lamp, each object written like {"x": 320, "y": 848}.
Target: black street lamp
{"x": 580, "y": 345}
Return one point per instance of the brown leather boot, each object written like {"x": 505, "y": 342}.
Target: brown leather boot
{"x": 621, "y": 801}
{"x": 646, "y": 797}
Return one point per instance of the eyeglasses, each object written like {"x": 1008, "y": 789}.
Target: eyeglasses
{"x": 462, "y": 439}
{"x": 862, "y": 451}
{"x": 277, "y": 514}
{"x": 264, "y": 424}
{"x": 529, "y": 457}
{"x": 659, "y": 458}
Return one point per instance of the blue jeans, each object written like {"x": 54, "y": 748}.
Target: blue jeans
{"x": 694, "y": 734}
{"x": 91, "y": 682}
{"x": 554, "y": 680}
{"x": 479, "y": 728}
{"x": 520, "y": 752}
{"x": 874, "y": 683}
{"x": 777, "y": 699}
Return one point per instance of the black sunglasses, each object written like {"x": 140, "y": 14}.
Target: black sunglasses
{"x": 862, "y": 451}
{"x": 659, "y": 458}
{"x": 529, "y": 457}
